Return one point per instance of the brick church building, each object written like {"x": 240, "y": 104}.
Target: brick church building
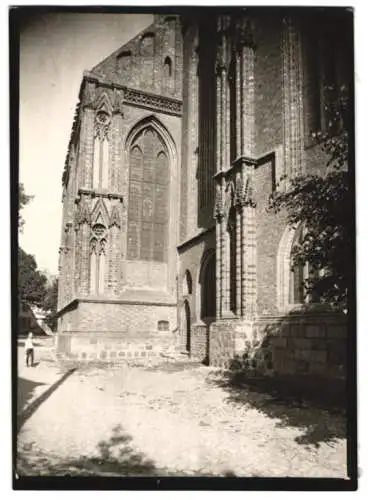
{"x": 179, "y": 138}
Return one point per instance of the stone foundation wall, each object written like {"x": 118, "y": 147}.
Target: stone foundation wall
{"x": 303, "y": 344}
{"x": 297, "y": 344}
{"x": 114, "y": 348}
{"x": 117, "y": 331}
{"x": 228, "y": 338}
{"x": 199, "y": 342}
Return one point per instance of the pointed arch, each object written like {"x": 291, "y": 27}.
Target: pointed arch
{"x": 290, "y": 288}
{"x": 115, "y": 217}
{"x": 152, "y": 154}
{"x": 103, "y": 103}
{"x": 102, "y": 140}
{"x": 100, "y": 214}
{"x": 156, "y": 124}
{"x": 99, "y": 225}
{"x": 206, "y": 297}
{"x": 206, "y": 257}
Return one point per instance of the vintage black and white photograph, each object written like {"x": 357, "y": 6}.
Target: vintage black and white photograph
{"x": 183, "y": 190}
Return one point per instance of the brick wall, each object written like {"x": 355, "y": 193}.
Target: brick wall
{"x": 104, "y": 316}
{"x": 189, "y": 156}
{"x": 100, "y": 330}
{"x": 305, "y": 344}
{"x": 227, "y": 339}
{"x": 113, "y": 348}
{"x": 190, "y": 260}
{"x": 268, "y": 84}
{"x": 269, "y": 231}
{"x": 199, "y": 344}
{"x": 140, "y": 63}
{"x": 144, "y": 274}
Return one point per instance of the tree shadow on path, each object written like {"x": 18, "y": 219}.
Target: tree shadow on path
{"x": 317, "y": 410}
{"x": 114, "y": 457}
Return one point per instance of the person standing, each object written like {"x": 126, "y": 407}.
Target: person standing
{"x": 29, "y": 347}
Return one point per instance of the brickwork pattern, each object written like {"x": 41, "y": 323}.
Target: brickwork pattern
{"x": 105, "y": 316}
{"x": 113, "y": 348}
{"x": 97, "y": 327}
{"x": 140, "y": 63}
{"x": 199, "y": 342}
{"x": 191, "y": 258}
{"x": 269, "y": 230}
{"x": 268, "y": 85}
{"x": 228, "y": 338}
{"x": 305, "y": 345}
{"x": 222, "y": 344}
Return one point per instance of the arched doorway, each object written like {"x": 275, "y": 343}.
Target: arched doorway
{"x": 207, "y": 280}
{"x": 186, "y": 325}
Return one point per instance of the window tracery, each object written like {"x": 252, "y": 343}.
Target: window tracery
{"x": 148, "y": 207}
{"x": 101, "y": 150}
{"x": 97, "y": 259}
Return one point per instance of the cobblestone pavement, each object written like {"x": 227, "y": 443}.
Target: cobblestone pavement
{"x": 175, "y": 419}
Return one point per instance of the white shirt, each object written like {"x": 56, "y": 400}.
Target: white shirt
{"x": 28, "y": 344}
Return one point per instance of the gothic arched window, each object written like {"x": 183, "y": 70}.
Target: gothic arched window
{"x": 148, "y": 209}
{"x": 97, "y": 259}
{"x": 208, "y": 288}
{"x": 291, "y": 277}
{"x": 101, "y": 151}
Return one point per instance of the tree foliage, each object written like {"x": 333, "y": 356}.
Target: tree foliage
{"x": 31, "y": 282}
{"x": 23, "y": 200}
{"x": 324, "y": 204}
{"x": 50, "y": 304}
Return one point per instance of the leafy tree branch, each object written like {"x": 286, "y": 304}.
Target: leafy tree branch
{"x": 324, "y": 205}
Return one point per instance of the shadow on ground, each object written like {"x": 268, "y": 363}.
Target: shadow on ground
{"x": 317, "y": 410}
{"x": 114, "y": 457}
{"x": 25, "y": 392}
{"x": 26, "y": 411}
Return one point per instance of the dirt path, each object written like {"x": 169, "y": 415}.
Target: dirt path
{"x": 175, "y": 420}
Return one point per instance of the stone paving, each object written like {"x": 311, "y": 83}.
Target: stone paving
{"x": 175, "y": 419}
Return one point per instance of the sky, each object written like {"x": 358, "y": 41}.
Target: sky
{"x": 55, "y": 49}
